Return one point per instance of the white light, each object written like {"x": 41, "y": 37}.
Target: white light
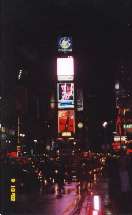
{"x": 80, "y": 125}
{"x": 56, "y": 189}
{"x": 22, "y": 135}
{"x": 105, "y": 124}
{"x": 96, "y": 202}
{"x": 35, "y": 141}
{"x": 117, "y": 86}
{"x": 95, "y": 212}
{"x": 65, "y": 67}
{"x": 20, "y": 74}
{"x": 124, "y": 147}
{"x": 45, "y": 181}
{"x": 118, "y": 138}
{"x": 66, "y": 134}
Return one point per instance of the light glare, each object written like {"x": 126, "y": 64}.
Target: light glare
{"x": 96, "y": 202}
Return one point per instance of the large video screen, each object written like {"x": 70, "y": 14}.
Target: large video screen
{"x": 65, "y": 94}
{"x": 65, "y": 69}
{"x": 66, "y": 121}
{"x": 64, "y": 44}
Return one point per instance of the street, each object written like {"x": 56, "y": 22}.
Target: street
{"x": 42, "y": 203}
{"x": 71, "y": 202}
{"x": 91, "y": 195}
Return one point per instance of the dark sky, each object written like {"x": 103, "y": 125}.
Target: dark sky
{"x": 101, "y": 30}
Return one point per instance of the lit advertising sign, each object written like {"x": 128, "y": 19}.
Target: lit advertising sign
{"x": 120, "y": 138}
{"x": 128, "y": 128}
{"x": 66, "y": 134}
{"x": 66, "y": 122}
{"x": 65, "y": 94}
{"x": 64, "y": 44}
{"x": 65, "y": 69}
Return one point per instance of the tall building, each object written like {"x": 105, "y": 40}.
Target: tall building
{"x": 123, "y": 98}
{"x": 65, "y": 89}
{"x": 7, "y": 74}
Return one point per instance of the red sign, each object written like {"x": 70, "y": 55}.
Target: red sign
{"x": 66, "y": 121}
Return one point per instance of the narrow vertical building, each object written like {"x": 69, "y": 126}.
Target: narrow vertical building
{"x": 65, "y": 90}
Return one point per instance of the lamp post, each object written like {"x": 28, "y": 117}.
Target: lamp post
{"x": 35, "y": 144}
{"x": 104, "y": 125}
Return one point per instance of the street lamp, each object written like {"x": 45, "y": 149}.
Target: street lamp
{"x": 35, "y": 144}
{"x": 80, "y": 125}
{"x": 104, "y": 125}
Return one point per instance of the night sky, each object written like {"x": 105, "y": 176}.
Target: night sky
{"x": 101, "y": 32}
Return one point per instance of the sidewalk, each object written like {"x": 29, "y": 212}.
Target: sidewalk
{"x": 112, "y": 205}
{"x": 102, "y": 189}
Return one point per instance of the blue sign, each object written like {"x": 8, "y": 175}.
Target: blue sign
{"x": 64, "y": 44}
{"x": 65, "y": 95}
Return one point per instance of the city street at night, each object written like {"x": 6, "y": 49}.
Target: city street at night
{"x": 75, "y": 197}
{"x": 66, "y": 107}
{"x": 72, "y": 201}
{"x": 40, "y": 203}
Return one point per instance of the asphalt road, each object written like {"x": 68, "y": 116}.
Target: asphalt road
{"x": 40, "y": 203}
{"x": 70, "y": 202}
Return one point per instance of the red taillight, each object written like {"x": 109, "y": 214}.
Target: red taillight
{"x": 129, "y": 150}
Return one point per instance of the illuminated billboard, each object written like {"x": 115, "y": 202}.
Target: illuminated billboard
{"x": 64, "y": 44}
{"x": 65, "y": 69}
{"x": 66, "y": 122}
{"x": 65, "y": 94}
{"x": 127, "y": 128}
